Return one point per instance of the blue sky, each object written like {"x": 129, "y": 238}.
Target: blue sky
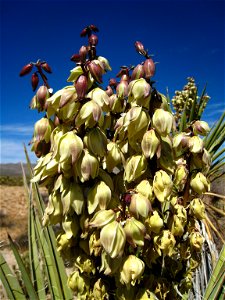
{"x": 186, "y": 38}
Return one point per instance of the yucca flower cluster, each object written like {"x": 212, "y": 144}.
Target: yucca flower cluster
{"x": 124, "y": 184}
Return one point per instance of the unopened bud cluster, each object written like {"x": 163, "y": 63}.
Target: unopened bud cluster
{"x": 125, "y": 186}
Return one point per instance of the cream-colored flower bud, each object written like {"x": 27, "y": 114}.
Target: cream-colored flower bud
{"x": 180, "y": 143}
{"x": 100, "y": 97}
{"x": 180, "y": 177}
{"x": 87, "y": 167}
{"x": 195, "y": 144}
{"x": 162, "y": 121}
{"x": 102, "y": 217}
{"x": 114, "y": 156}
{"x": 113, "y": 239}
{"x": 70, "y": 147}
{"x": 70, "y": 226}
{"x": 197, "y": 208}
{"x": 98, "y": 196}
{"x": 43, "y": 129}
{"x": 196, "y": 241}
{"x": 132, "y": 270}
{"x": 199, "y": 183}
{"x": 100, "y": 290}
{"x": 135, "y": 232}
{"x": 154, "y": 223}
{"x": 97, "y": 142}
{"x": 136, "y": 165}
{"x": 146, "y": 189}
{"x": 139, "y": 92}
{"x": 105, "y": 63}
{"x": 165, "y": 243}
{"x": 200, "y": 127}
{"x": 90, "y": 113}
{"x": 150, "y": 143}
{"x": 162, "y": 185}
{"x": 139, "y": 206}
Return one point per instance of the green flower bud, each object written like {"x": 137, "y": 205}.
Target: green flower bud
{"x": 135, "y": 232}
{"x": 102, "y": 217}
{"x": 97, "y": 142}
{"x": 139, "y": 206}
{"x": 113, "y": 239}
{"x": 180, "y": 177}
{"x": 162, "y": 121}
{"x": 176, "y": 226}
{"x": 98, "y": 196}
{"x": 200, "y": 127}
{"x": 165, "y": 243}
{"x": 197, "y": 208}
{"x": 150, "y": 144}
{"x": 162, "y": 185}
{"x": 199, "y": 183}
{"x": 70, "y": 226}
{"x": 80, "y": 284}
{"x": 154, "y": 223}
{"x": 195, "y": 144}
{"x": 95, "y": 246}
{"x": 114, "y": 156}
{"x": 70, "y": 147}
{"x": 196, "y": 241}
{"x": 100, "y": 290}
{"x": 132, "y": 270}
{"x": 85, "y": 264}
{"x": 63, "y": 243}
{"x": 146, "y": 189}
{"x": 136, "y": 165}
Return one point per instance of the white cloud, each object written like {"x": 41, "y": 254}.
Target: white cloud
{"x": 12, "y": 151}
{"x": 17, "y": 129}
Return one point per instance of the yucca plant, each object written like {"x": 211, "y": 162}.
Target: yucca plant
{"x": 126, "y": 170}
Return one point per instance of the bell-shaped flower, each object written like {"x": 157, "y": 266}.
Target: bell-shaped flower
{"x": 135, "y": 232}
{"x": 162, "y": 185}
{"x": 139, "y": 206}
{"x": 131, "y": 270}
{"x": 162, "y": 121}
{"x": 150, "y": 143}
{"x": 199, "y": 183}
{"x": 113, "y": 239}
{"x": 197, "y": 208}
{"x": 165, "y": 243}
{"x": 135, "y": 166}
{"x": 98, "y": 196}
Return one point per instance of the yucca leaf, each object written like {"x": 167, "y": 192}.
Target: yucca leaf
{"x": 217, "y": 279}
{"x": 183, "y": 120}
{"x": 10, "y": 282}
{"x": 202, "y": 103}
{"x": 218, "y": 154}
{"x": 214, "y": 132}
{"x": 25, "y": 276}
{"x": 193, "y": 115}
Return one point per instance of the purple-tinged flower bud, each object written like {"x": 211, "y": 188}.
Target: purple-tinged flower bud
{"x": 94, "y": 28}
{"x": 96, "y": 71}
{"x": 84, "y": 32}
{"x": 122, "y": 89}
{"x": 81, "y": 86}
{"x": 46, "y": 67}
{"x": 93, "y": 40}
{"x": 149, "y": 68}
{"x": 113, "y": 82}
{"x": 26, "y": 69}
{"x": 75, "y": 58}
{"x": 109, "y": 91}
{"x": 83, "y": 53}
{"x": 140, "y": 48}
{"x": 34, "y": 81}
{"x": 200, "y": 127}
{"x": 138, "y": 72}
{"x": 42, "y": 95}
